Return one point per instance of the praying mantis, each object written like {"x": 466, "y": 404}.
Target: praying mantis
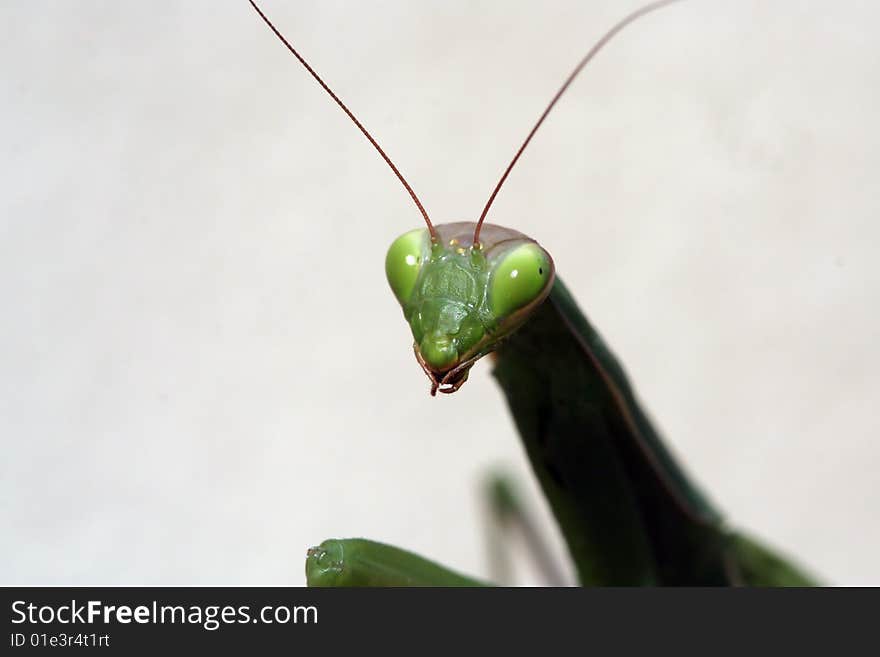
{"x": 628, "y": 512}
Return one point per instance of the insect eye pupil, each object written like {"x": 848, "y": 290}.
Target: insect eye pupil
{"x": 541, "y": 270}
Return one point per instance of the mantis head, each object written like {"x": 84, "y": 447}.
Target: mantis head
{"x": 462, "y": 294}
{"x": 462, "y": 298}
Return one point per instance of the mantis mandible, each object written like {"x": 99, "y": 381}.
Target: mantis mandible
{"x": 628, "y": 512}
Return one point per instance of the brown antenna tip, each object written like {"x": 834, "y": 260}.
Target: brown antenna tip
{"x": 641, "y": 11}
{"x": 350, "y": 116}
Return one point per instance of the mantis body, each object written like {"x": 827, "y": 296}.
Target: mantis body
{"x": 629, "y": 514}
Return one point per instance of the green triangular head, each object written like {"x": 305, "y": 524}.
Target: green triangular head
{"x": 461, "y": 300}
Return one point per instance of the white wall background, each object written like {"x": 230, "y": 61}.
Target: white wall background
{"x": 202, "y": 371}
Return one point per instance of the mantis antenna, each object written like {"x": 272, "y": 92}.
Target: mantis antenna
{"x": 360, "y": 126}
{"x": 592, "y": 53}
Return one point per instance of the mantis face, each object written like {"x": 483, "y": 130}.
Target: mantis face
{"x": 461, "y": 300}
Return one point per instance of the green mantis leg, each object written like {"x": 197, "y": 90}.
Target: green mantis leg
{"x": 508, "y": 516}
{"x": 761, "y": 566}
{"x": 359, "y": 562}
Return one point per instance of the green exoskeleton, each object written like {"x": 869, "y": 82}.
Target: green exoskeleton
{"x": 628, "y": 512}
{"x": 462, "y": 298}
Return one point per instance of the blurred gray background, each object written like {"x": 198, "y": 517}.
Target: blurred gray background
{"x": 202, "y": 371}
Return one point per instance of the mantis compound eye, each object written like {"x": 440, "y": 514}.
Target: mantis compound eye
{"x": 521, "y": 277}
{"x": 404, "y": 262}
